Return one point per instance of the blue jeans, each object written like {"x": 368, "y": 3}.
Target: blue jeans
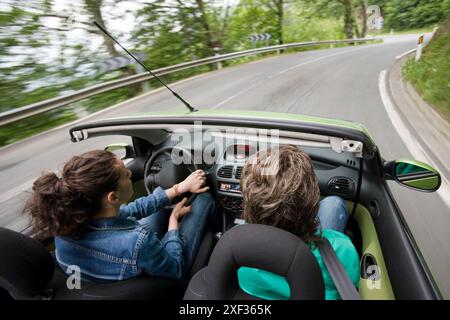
{"x": 192, "y": 226}
{"x": 333, "y": 214}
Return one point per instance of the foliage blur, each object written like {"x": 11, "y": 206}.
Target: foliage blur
{"x": 431, "y": 74}
{"x": 51, "y": 47}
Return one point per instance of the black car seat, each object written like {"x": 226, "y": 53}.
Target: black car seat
{"x": 263, "y": 247}
{"x": 28, "y": 271}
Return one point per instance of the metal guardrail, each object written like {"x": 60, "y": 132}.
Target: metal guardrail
{"x": 50, "y": 104}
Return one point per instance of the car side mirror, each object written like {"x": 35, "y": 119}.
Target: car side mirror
{"x": 413, "y": 174}
{"x": 121, "y": 150}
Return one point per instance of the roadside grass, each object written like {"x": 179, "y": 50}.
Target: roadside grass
{"x": 34, "y": 125}
{"x": 431, "y": 74}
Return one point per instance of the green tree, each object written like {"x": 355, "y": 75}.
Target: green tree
{"x": 94, "y": 10}
{"x": 175, "y": 31}
{"x": 277, "y": 7}
{"x": 352, "y": 12}
{"x": 40, "y": 59}
{"x": 411, "y": 14}
{"x": 306, "y": 22}
{"x": 250, "y": 17}
{"x": 23, "y": 42}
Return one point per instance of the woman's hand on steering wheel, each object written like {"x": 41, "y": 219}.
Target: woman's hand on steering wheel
{"x": 194, "y": 183}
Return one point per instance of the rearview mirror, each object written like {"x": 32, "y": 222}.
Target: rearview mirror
{"x": 413, "y": 174}
{"x": 121, "y": 150}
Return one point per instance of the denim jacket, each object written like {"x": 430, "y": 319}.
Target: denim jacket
{"x": 120, "y": 248}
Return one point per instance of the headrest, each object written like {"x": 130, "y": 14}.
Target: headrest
{"x": 267, "y": 248}
{"x": 26, "y": 265}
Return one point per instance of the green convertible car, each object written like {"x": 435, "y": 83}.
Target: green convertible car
{"x": 346, "y": 161}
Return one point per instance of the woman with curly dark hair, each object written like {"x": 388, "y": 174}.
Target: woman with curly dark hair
{"x": 280, "y": 189}
{"x": 85, "y": 211}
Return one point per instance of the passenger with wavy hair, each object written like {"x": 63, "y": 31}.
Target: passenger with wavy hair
{"x": 85, "y": 210}
{"x": 280, "y": 189}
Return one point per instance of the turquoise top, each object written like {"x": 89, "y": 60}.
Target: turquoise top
{"x": 267, "y": 285}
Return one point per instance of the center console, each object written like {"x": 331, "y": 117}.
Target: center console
{"x": 227, "y": 181}
{"x": 229, "y": 194}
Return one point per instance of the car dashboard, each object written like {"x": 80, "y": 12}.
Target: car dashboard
{"x": 337, "y": 173}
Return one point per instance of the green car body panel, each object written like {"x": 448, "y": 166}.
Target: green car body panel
{"x": 423, "y": 183}
{"x": 259, "y": 115}
{"x": 368, "y": 289}
{"x": 427, "y": 183}
{"x": 245, "y": 118}
{"x": 371, "y": 242}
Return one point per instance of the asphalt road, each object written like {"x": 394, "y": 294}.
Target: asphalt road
{"x": 338, "y": 83}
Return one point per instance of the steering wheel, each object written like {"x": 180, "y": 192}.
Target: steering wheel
{"x": 170, "y": 172}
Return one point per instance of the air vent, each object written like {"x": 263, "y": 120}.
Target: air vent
{"x": 351, "y": 162}
{"x": 225, "y": 172}
{"x": 341, "y": 186}
{"x": 238, "y": 173}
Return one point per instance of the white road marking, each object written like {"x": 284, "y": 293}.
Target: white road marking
{"x": 26, "y": 186}
{"x": 318, "y": 59}
{"x": 405, "y": 53}
{"x": 16, "y": 191}
{"x": 235, "y": 95}
{"x": 410, "y": 142}
{"x": 281, "y": 72}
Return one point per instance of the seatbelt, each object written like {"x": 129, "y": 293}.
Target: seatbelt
{"x": 337, "y": 272}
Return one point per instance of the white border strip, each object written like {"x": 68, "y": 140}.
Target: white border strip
{"x": 405, "y": 53}
{"x": 410, "y": 142}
